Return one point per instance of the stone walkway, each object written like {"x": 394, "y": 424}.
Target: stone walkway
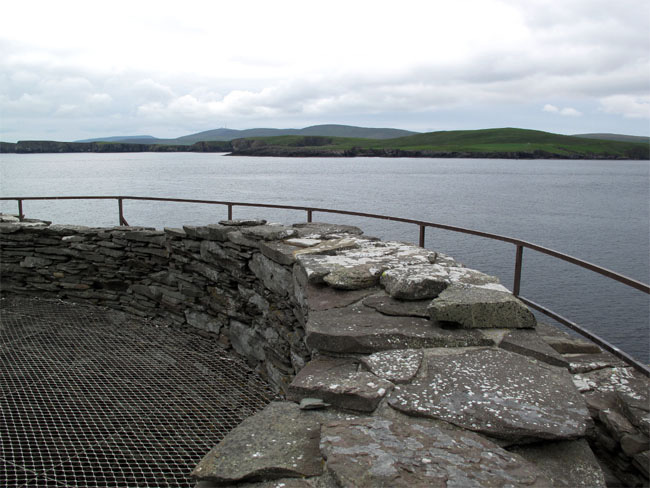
{"x": 91, "y": 397}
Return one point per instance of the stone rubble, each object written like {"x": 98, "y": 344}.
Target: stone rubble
{"x": 412, "y": 370}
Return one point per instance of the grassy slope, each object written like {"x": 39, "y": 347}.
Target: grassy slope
{"x": 482, "y": 141}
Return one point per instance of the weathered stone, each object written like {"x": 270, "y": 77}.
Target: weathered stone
{"x": 354, "y": 278}
{"x": 476, "y": 307}
{"x": 322, "y": 297}
{"x": 150, "y": 236}
{"x": 175, "y": 232}
{"x": 268, "y": 232}
{"x": 337, "y": 381}
{"x": 634, "y": 443}
{"x": 584, "y": 363}
{"x": 377, "y": 452}
{"x": 616, "y": 424}
{"x": 242, "y": 222}
{"x": 528, "y": 343}
{"x": 358, "y": 329}
{"x": 245, "y": 341}
{"x": 241, "y": 240}
{"x": 321, "y": 229}
{"x": 275, "y": 277}
{"x": 568, "y": 464}
{"x": 642, "y": 462}
{"x": 572, "y": 346}
{"x": 206, "y": 270}
{"x": 312, "y": 404}
{"x": 34, "y": 262}
{"x": 399, "y": 366}
{"x": 203, "y": 321}
{"x": 497, "y": 393}
{"x": 279, "y": 252}
{"x": 329, "y": 247}
{"x": 277, "y": 442}
{"x": 389, "y": 306}
{"x": 300, "y": 242}
{"x": 415, "y": 282}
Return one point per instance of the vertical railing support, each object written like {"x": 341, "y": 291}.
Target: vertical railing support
{"x": 308, "y": 215}
{"x": 21, "y": 216}
{"x": 422, "y": 228}
{"x": 229, "y": 211}
{"x": 518, "y": 261}
{"x": 121, "y": 209}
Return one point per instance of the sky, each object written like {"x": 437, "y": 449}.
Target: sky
{"x": 73, "y": 70}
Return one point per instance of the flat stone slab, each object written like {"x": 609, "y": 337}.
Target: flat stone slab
{"x": 337, "y": 381}
{"x": 319, "y": 230}
{"x": 529, "y": 343}
{"x": 329, "y": 247}
{"x": 321, "y": 297}
{"x": 572, "y": 345}
{"x": 390, "y": 306}
{"x": 287, "y": 446}
{"x": 498, "y": 393}
{"x": 378, "y": 452}
{"x": 359, "y": 329}
{"x": 279, "y": 251}
{"x": 268, "y": 232}
{"x": 243, "y": 222}
{"x": 479, "y": 307}
{"x": 398, "y": 366}
{"x": 569, "y": 464}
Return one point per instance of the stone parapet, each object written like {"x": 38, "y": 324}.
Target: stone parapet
{"x": 409, "y": 368}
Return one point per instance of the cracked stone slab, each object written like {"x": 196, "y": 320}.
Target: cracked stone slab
{"x": 390, "y": 306}
{"x": 409, "y": 453}
{"x": 322, "y": 297}
{"x": 568, "y": 464}
{"x": 415, "y": 282}
{"x": 584, "y": 363}
{"x": 572, "y": 345}
{"x": 528, "y": 343}
{"x": 497, "y": 393}
{"x": 287, "y": 446}
{"x": 359, "y": 329}
{"x": 399, "y": 366}
{"x": 329, "y": 247}
{"x": 479, "y": 307}
{"x": 338, "y": 382}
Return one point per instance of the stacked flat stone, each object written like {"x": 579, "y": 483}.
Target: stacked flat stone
{"x": 401, "y": 367}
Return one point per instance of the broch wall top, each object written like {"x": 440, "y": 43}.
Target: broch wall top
{"x": 426, "y": 366}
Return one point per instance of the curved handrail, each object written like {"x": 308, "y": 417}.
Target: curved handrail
{"x": 520, "y": 245}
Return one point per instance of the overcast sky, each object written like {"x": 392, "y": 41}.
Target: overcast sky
{"x": 73, "y": 70}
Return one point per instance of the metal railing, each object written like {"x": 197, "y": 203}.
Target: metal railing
{"x": 520, "y": 245}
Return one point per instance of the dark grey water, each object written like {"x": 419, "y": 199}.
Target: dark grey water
{"x": 595, "y": 210}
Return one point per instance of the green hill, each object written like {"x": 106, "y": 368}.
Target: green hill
{"x": 495, "y": 143}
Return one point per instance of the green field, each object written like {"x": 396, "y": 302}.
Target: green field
{"x": 517, "y": 142}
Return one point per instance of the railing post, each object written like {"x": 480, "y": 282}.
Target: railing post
{"x": 308, "y": 215}
{"x": 229, "y": 211}
{"x": 422, "y": 228}
{"x": 121, "y": 210}
{"x": 518, "y": 261}
{"x": 21, "y": 216}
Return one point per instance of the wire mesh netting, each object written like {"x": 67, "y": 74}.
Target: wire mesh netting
{"x": 91, "y": 397}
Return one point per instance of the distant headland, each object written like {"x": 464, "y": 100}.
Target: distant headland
{"x": 350, "y": 141}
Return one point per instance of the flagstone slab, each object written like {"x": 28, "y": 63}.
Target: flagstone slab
{"x": 390, "y": 306}
{"x": 380, "y": 452}
{"x": 398, "y": 366}
{"x": 529, "y": 343}
{"x": 498, "y": 393}
{"x": 359, "y": 329}
{"x": 480, "y": 307}
{"x": 321, "y": 297}
{"x": 338, "y": 382}
{"x": 287, "y": 446}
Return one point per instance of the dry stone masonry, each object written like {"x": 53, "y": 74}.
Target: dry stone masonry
{"x": 398, "y": 365}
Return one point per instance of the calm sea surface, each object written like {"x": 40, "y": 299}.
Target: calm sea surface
{"x": 595, "y": 210}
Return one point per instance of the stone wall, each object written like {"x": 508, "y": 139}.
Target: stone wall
{"x": 402, "y": 367}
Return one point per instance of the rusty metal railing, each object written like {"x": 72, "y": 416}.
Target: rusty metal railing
{"x": 520, "y": 245}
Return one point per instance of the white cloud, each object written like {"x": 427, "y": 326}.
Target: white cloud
{"x": 627, "y": 105}
{"x": 566, "y": 111}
